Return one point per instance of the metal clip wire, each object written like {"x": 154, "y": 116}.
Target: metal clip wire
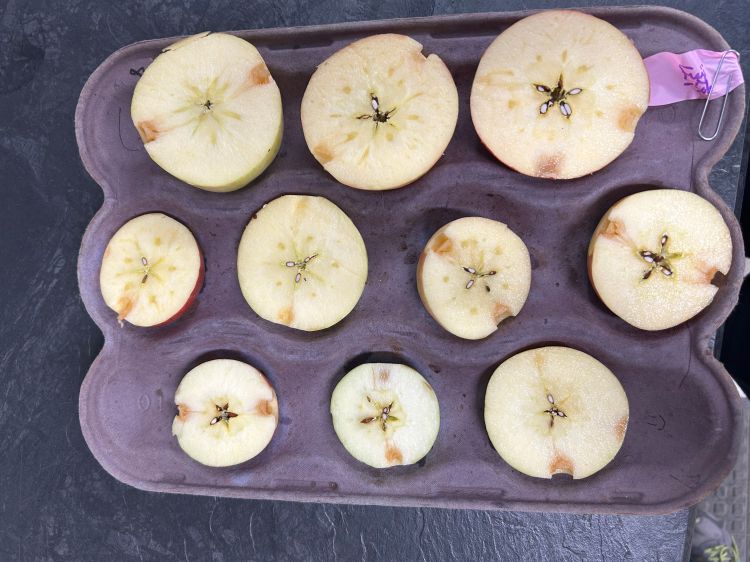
{"x": 710, "y": 93}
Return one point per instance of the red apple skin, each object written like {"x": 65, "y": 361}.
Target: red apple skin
{"x": 193, "y": 296}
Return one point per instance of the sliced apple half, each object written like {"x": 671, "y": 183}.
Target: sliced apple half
{"x": 302, "y": 263}
{"x": 559, "y": 94}
{"x": 209, "y": 112}
{"x": 152, "y": 270}
{"x": 654, "y": 255}
{"x": 555, "y": 410}
{"x": 378, "y": 114}
{"x": 385, "y": 414}
{"x": 473, "y": 274}
{"x": 227, "y": 412}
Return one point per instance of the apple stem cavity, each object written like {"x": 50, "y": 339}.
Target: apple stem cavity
{"x": 224, "y": 415}
{"x": 557, "y": 95}
{"x": 476, "y": 275}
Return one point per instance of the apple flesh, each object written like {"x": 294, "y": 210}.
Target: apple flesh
{"x": 152, "y": 270}
{"x": 385, "y": 414}
{"x": 473, "y": 274}
{"x": 654, "y": 255}
{"x": 227, "y": 413}
{"x": 559, "y": 94}
{"x": 302, "y": 263}
{"x": 209, "y": 112}
{"x": 555, "y": 410}
{"x": 378, "y": 114}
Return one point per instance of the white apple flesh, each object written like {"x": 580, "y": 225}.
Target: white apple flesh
{"x": 302, "y": 263}
{"x": 555, "y": 410}
{"x": 209, "y": 112}
{"x": 385, "y": 414}
{"x": 378, "y": 114}
{"x": 654, "y": 255}
{"x": 472, "y": 274}
{"x": 559, "y": 94}
{"x": 152, "y": 270}
{"x": 227, "y": 413}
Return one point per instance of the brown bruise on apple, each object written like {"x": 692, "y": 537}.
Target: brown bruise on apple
{"x": 124, "y": 307}
{"x": 549, "y": 165}
{"x": 393, "y": 454}
{"x": 323, "y": 153}
{"x": 267, "y": 407}
{"x": 182, "y": 411}
{"x": 561, "y": 464}
{"x": 148, "y": 130}
{"x": 500, "y": 312}
{"x": 621, "y": 427}
{"x": 286, "y": 315}
{"x": 442, "y": 245}
{"x": 259, "y": 75}
{"x": 628, "y": 118}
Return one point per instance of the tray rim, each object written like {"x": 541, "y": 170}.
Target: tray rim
{"x": 700, "y": 337}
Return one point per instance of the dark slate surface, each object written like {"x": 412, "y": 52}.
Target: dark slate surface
{"x": 56, "y": 503}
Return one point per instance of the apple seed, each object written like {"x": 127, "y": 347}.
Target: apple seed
{"x": 476, "y": 275}
{"x": 384, "y": 416}
{"x": 557, "y": 95}
{"x": 300, "y": 265}
{"x": 224, "y": 414}
{"x": 379, "y": 116}
{"x": 659, "y": 261}
{"x": 553, "y": 411}
{"x": 144, "y": 261}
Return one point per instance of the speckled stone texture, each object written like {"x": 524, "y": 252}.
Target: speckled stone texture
{"x": 56, "y": 503}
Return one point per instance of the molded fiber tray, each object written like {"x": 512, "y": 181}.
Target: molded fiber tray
{"x": 681, "y": 440}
